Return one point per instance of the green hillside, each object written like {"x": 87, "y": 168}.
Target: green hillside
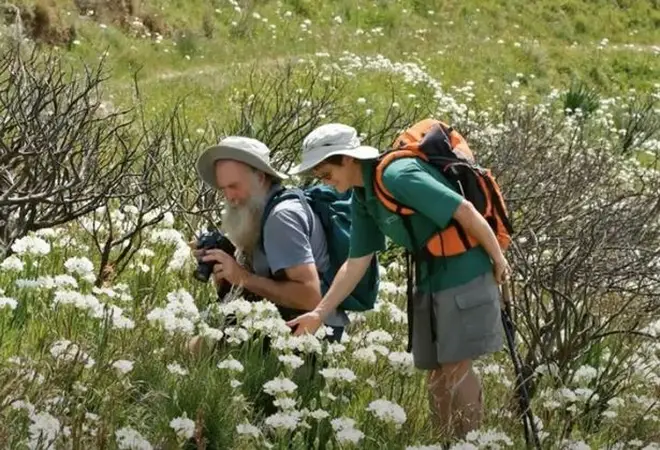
{"x": 204, "y": 48}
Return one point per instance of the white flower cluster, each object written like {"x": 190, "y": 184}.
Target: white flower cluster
{"x": 123, "y": 366}
{"x": 170, "y": 236}
{"x": 280, "y": 385}
{"x": 345, "y": 430}
{"x": 7, "y": 302}
{"x": 44, "y": 430}
{"x": 31, "y": 245}
{"x": 179, "y": 315}
{"x": 231, "y": 365}
{"x": 94, "y": 308}
{"x": 81, "y": 266}
{"x": 68, "y": 351}
{"x": 183, "y": 427}
{"x": 388, "y": 411}
{"x": 130, "y": 439}
{"x": 338, "y": 374}
{"x": 12, "y": 264}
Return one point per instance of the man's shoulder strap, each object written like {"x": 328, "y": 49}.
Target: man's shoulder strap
{"x": 284, "y": 193}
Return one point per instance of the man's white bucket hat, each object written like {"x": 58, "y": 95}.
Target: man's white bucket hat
{"x": 250, "y": 151}
{"x": 328, "y": 140}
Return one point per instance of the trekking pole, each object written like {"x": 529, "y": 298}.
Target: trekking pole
{"x": 529, "y": 424}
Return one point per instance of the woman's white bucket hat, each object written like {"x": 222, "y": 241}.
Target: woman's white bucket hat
{"x": 328, "y": 140}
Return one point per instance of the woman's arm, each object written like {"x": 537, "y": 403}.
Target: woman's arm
{"x": 475, "y": 225}
{"x": 348, "y": 276}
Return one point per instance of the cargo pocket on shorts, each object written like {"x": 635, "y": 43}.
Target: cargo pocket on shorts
{"x": 478, "y": 311}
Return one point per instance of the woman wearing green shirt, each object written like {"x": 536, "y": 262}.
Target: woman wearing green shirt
{"x": 456, "y": 308}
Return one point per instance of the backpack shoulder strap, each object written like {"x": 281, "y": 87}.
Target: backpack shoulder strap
{"x": 382, "y": 193}
{"x": 280, "y": 195}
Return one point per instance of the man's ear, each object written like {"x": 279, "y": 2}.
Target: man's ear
{"x": 262, "y": 177}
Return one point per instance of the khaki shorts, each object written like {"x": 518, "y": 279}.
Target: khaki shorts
{"x": 466, "y": 319}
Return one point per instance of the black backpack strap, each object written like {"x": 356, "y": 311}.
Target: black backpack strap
{"x": 412, "y": 272}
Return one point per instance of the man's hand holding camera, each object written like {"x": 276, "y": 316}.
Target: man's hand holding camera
{"x": 225, "y": 267}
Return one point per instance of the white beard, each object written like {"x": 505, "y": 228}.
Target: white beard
{"x": 242, "y": 223}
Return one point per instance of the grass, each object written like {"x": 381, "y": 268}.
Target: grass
{"x": 552, "y": 44}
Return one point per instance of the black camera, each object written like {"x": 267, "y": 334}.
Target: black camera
{"x": 213, "y": 239}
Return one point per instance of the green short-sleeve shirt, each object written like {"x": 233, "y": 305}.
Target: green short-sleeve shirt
{"x": 421, "y": 187}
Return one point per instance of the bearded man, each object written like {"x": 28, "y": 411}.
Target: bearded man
{"x": 286, "y": 255}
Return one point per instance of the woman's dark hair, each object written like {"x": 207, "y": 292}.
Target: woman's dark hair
{"x": 335, "y": 160}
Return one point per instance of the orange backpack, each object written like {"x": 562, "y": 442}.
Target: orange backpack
{"x": 440, "y": 145}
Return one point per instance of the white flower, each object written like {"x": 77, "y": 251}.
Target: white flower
{"x": 566, "y": 394}
{"x": 285, "y": 403}
{"x": 575, "y": 445}
{"x": 81, "y": 301}
{"x": 31, "y": 245}
{"x": 129, "y": 439}
{"x": 283, "y": 420}
{"x": 7, "y": 302}
{"x": 165, "y": 236}
{"x": 12, "y": 264}
{"x": 489, "y": 438}
{"x": 378, "y": 337}
{"x": 67, "y": 351}
{"x": 178, "y": 315}
{"x": 341, "y": 423}
{"x": 183, "y": 426}
{"x": 616, "y": 402}
{"x": 65, "y": 280}
{"x": 291, "y": 361}
{"x": 279, "y": 386}
{"x": 341, "y": 374}
{"x": 352, "y": 435}
{"x": 335, "y": 348}
{"x": 209, "y": 332}
{"x": 319, "y": 414}
{"x": 464, "y": 446}
{"x": 402, "y": 362}
{"x": 305, "y": 343}
{"x": 366, "y": 355}
{"x": 20, "y": 404}
{"x": 231, "y": 364}
{"x": 180, "y": 302}
{"x": 249, "y": 429}
{"x": 146, "y": 253}
{"x": 44, "y": 429}
{"x": 81, "y": 266}
{"x": 234, "y": 383}
{"x": 180, "y": 257}
{"x": 123, "y": 366}
{"x": 236, "y": 335}
{"x": 387, "y": 411}
{"x": 48, "y": 232}
{"x": 585, "y": 373}
{"x": 176, "y": 369}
